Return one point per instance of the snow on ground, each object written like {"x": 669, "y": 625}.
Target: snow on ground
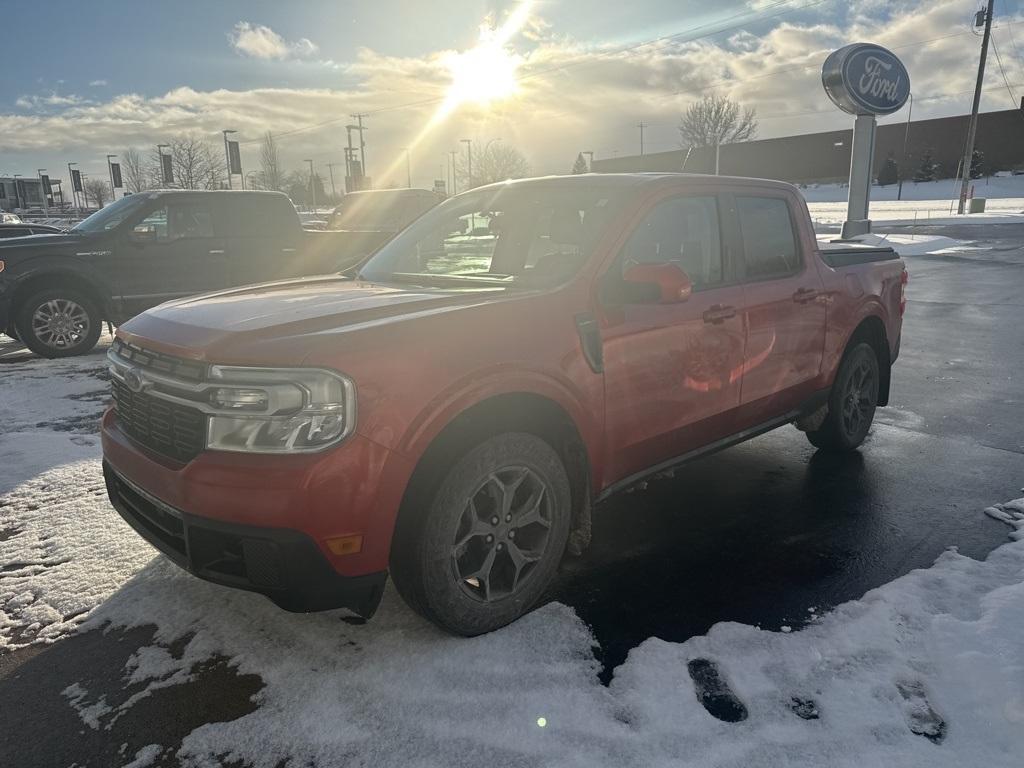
{"x": 907, "y": 245}
{"x": 925, "y": 671}
{"x": 927, "y": 203}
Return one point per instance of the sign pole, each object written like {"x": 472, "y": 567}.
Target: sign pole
{"x": 861, "y": 157}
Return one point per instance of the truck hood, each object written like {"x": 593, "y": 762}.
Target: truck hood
{"x": 279, "y": 322}
{"x": 33, "y": 245}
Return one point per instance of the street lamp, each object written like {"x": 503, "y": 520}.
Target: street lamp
{"x": 17, "y": 200}
{"x": 469, "y": 163}
{"x": 74, "y": 192}
{"x": 42, "y": 190}
{"x": 110, "y": 171}
{"x": 227, "y": 156}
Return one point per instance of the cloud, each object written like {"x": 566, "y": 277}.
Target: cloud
{"x": 572, "y": 95}
{"x": 97, "y": 83}
{"x": 262, "y": 42}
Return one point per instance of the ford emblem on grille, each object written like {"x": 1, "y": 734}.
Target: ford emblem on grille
{"x": 134, "y": 380}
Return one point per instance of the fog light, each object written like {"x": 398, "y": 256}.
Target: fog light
{"x": 346, "y": 545}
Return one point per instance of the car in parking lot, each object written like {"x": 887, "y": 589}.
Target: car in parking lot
{"x": 56, "y": 291}
{"x": 450, "y": 412}
{"x": 27, "y": 228}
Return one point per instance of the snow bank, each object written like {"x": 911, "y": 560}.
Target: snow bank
{"x": 907, "y": 245}
{"x": 994, "y": 188}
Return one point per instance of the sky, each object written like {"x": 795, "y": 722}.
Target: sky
{"x": 82, "y": 80}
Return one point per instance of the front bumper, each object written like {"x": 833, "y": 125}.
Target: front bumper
{"x": 283, "y": 564}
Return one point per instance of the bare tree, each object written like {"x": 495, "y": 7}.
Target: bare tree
{"x": 271, "y": 176}
{"x": 496, "y": 162}
{"x": 195, "y": 163}
{"x": 136, "y": 174}
{"x": 716, "y": 120}
{"x": 97, "y": 192}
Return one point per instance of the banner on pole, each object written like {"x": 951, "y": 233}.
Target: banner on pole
{"x": 115, "y": 172}
{"x": 76, "y": 180}
{"x": 235, "y": 158}
{"x": 47, "y": 187}
{"x": 168, "y": 173}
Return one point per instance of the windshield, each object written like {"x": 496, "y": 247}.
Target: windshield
{"x": 109, "y": 217}
{"x": 539, "y": 235}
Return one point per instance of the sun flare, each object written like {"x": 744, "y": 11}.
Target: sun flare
{"x": 487, "y": 72}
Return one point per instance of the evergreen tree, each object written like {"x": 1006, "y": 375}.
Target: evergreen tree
{"x": 580, "y": 166}
{"x": 890, "y": 173}
{"x": 977, "y": 164}
{"x": 927, "y": 170}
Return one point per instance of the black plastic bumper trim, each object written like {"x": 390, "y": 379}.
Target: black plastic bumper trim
{"x": 283, "y": 564}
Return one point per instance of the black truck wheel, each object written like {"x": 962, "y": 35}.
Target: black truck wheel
{"x": 481, "y": 552}
{"x": 851, "y": 404}
{"x": 58, "y": 322}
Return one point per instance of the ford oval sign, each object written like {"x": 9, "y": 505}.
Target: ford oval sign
{"x": 866, "y": 79}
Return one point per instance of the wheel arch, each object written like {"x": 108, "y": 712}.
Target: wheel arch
{"x": 513, "y": 411}
{"x": 66, "y": 278}
{"x": 871, "y": 330}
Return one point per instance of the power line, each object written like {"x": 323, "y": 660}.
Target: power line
{"x": 999, "y": 61}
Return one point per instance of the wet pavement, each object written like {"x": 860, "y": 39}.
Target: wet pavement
{"x": 765, "y": 533}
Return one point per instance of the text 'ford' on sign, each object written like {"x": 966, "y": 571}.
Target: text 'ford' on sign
{"x": 865, "y": 79}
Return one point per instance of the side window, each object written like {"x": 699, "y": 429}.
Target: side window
{"x": 683, "y": 230}
{"x": 769, "y": 242}
{"x": 175, "y": 221}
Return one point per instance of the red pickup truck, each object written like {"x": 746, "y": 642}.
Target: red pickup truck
{"x": 451, "y": 411}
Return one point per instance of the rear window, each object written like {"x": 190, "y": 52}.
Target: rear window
{"x": 769, "y": 242}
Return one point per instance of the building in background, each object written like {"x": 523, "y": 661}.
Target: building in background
{"x": 20, "y": 193}
{"x": 825, "y": 157}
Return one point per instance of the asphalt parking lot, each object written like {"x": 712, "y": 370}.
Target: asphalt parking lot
{"x": 767, "y": 533}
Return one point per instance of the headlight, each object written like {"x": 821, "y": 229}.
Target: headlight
{"x": 279, "y": 410}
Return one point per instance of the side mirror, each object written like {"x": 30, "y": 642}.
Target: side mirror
{"x": 669, "y": 283}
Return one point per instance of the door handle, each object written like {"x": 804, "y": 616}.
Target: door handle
{"x": 287, "y": 250}
{"x": 718, "y": 314}
{"x": 216, "y": 251}
{"x": 805, "y": 295}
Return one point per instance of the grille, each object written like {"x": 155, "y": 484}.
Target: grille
{"x": 176, "y": 431}
{"x": 189, "y": 370}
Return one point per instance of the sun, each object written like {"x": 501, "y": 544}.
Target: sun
{"x": 487, "y": 72}
{"x": 483, "y": 74}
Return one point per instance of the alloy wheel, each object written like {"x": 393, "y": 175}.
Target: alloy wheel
{"x": 60, "y": 323}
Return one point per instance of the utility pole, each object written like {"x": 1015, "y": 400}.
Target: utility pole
{"x": 312, "y": 187}
{"x": 972, "y": 127}
{"x": 641, "y": 125}
{"x": 455, "y": 182}
{"x": 469, "y": 162}
{"x": 362, "y": 145}
{"x": 330, "y": 170}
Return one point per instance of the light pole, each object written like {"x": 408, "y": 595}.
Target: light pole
{"x": 906, "y": 136}
{"x": 110, "y": 172}
{"x": 17, "y": 200}
{"x": 408, "y": 169}
{"x": 227, "y": 156}
{"x": 455, "y": 182}
{"x": 42, "y": 190}
{"x": 590, "y": 154}
{"x": 71, "y": 181}
{"x": 163, "y": 176}
{"x": 469, "y": 162}
{"x": 334, "y": 192}
{"x": 312, "y": 187}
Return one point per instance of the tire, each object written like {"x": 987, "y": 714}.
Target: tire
{"x": 463, "y": 564}
{"x": 12, "y": 332}
{"x": 58, "y": 322}
{"x": 852, "y": 402}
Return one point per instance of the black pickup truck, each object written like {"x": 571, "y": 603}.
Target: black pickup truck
{"x": 57, "y": 290}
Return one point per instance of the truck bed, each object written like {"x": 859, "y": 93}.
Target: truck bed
{"x": 844, "y": 254}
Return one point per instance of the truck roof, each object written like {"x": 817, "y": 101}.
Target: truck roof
{"x": 653, "y": 178}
